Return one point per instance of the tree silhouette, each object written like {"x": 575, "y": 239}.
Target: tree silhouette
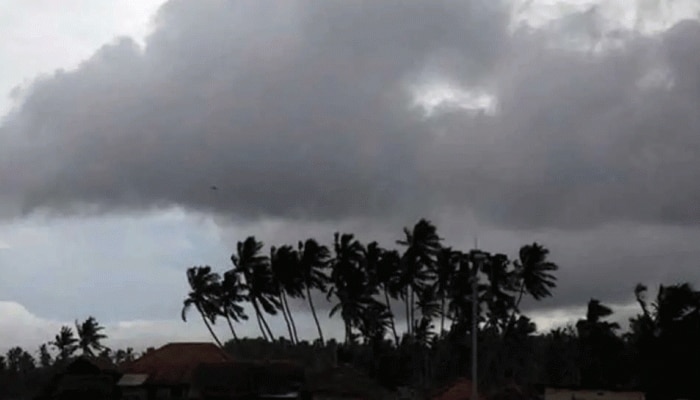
{"x": 255, "y": 268}
{"x": 45, "y": 359}
{"x": 445, "y": 269}
{"x": 284, "y": 266}
{"x": 349, "y": 282}
{"x": 383, "y": 271}
{"x": 422, "y": 245}
{"x": 535, "y": 274}
{"x": 65, "y": 343}
{"x": 204, "y": 287}
{"x": 313, "y": 261}
{"x": 90, "y": 336}
{"x": 231, "y": 295}
{"x": 601, "y": 349}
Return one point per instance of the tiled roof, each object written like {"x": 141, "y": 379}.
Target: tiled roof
{"x": 174, "y": 363}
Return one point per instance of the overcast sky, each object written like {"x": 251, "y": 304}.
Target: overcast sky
{"x": 570, "y": 123}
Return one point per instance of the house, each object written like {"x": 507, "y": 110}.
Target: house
{"x": 203, "y": 371}
{"x": 551, "y": 393}
{"x": 167, "y": 372}
{"x": 84, "y": 378}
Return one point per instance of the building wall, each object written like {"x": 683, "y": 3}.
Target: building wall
{"x": 567, "y": 394}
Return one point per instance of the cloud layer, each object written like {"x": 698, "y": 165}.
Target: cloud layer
{"x": 355, "y": 116}
{"x": 308, "y": 111}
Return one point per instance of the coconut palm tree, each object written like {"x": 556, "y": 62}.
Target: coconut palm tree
{"x": 498, "y": 291}
{"x": 534, "y": 274}
{"x": 65, "y": 343}
{"x": 349, "y": 282}
{"x": 231, "y": 295}
{"x": 255, "y": 269}
{"x": 445, "y": 270}
{"x": 89, "y": 336}
{"x": 204, "y": 287}
{"x": 313, "y": 260}
{"x": 422, "y": 245}
{"x": 382, "y": 267}
{"x": 284, "y": 265}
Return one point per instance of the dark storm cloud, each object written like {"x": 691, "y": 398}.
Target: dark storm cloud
{"x": 306, "y": 111}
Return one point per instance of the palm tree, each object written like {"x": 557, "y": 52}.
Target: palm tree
{"x": 535, "y": 273}
{"x": 65, "y": 343}
{"x": 374, "y": 322}
{"x": 45, "y": 358}
{"x": 89, "y": 336}
{"x": 445, "y": 270}
{"x": 382, "y": 267}
{"x": 255, "y": 268}
{"x": 284, "y": 264}
{"x": 313, "y": 260}
{"x": 122, "y": 356}
{"x": 204, "y": 286}
{"x": 601, "y": 348}
{"x": 500, "y": 285}
{"x": 422, "y": 245}
{"x": 349, "y": 282}
{"x": 232, "y": 294}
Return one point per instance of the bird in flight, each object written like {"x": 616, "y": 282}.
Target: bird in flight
{"x": 213, "y": 187}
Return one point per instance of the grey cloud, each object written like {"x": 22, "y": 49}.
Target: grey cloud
{"x": 287, "y": 119}
{"x": 304, "y": 112}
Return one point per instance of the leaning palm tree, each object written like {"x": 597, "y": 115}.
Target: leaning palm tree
{"x": 203, "y": 290}
{"x": 89, "y": 336}
{"x": 284, "y": 265}
{"x": 65, "y": 343}
{"x": 255, "y": 269}
{"x": 313, "y": 260}
{"x": 382, "y": 267}
{"x": 349, "y": 282}
{"x": 535, "y": 274}
{"x": 231, "y": 295}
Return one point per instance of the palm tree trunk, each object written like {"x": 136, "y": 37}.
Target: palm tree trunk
{"x": 348, "y": 332}
{"x": 408, "y": 313}
{"x": 512, "y": 314}
{"x": 204, "y": 318}
{"x": 230, "y": 325}
{"x": 442, "y": 316}
{"x": 391, "y": 316}
{"x": 413, "y": 309}
{"x": 291, "y": 319}
{"x": 313, "y": 312}
{"x": 257, "y": 314}
{"x": 286, "y": 319}
{"x": 267, "y": 327}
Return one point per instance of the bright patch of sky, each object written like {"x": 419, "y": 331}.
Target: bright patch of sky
{"x": 40, "y": 36}
{"x": 432, "y": 98}
{"x": 646, "y": 16}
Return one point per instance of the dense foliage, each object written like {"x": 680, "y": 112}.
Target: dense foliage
{"x": 407, "y": 315}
